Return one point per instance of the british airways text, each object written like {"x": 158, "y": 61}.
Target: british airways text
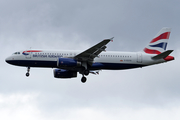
{"x": 48, "y": 56}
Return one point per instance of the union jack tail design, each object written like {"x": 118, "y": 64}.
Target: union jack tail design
{"x": 159, "y": 42}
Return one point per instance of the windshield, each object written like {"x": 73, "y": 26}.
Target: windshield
{"x": 16, "y": 53}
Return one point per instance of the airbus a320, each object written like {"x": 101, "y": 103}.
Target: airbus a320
{"x": 67, "y": 64}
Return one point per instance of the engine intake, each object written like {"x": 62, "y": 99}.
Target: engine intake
{"x": 60, "y": 73}
{"x": 67, "y": 62}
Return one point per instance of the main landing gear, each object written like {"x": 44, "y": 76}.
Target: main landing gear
{"x": 83, "y": 79}
{"x": 86, "y": 72}
{"x": 27, "y": 74}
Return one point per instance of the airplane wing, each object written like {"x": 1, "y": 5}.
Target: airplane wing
{"x": 89, "y": 54}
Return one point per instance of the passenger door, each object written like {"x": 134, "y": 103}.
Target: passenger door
{"x": 139, "y": 57}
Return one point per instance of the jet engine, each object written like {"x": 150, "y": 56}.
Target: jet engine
{"x": 60, "y": 73}
{"x": 67, "y": 62}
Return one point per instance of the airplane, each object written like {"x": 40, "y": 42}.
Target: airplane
{"x": 67, "y": 64}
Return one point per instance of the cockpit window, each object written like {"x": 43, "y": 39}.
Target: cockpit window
{"x": 16, "y": 53}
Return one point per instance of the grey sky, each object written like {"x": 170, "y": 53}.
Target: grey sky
{"x": 148, "y": 93}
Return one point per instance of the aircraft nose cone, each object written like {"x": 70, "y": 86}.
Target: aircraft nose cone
{"x": 8, "y": 60}
{"x": 11, "y": 60}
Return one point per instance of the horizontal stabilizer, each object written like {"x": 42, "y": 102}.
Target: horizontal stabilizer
{"x": 162, "y": 55}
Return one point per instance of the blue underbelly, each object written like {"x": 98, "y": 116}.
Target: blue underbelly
{"x": 95, "y": 66}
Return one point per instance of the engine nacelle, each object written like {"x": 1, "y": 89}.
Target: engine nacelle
{"x": 67, "y": 62}
{"x": 60, "y": 73}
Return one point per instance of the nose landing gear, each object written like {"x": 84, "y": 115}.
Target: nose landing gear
{"x": 27, "y": 74}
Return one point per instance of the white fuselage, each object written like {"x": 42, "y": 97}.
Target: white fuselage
{"x": 106, "y": 60}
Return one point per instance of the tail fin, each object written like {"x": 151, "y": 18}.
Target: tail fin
{"x": 159, "y": 42}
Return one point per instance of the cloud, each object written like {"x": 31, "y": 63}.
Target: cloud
{"x": 18, "y": 106}
{"x": 25, "y": 106}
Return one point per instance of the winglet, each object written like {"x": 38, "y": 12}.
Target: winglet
{"x": 112, "y": 39}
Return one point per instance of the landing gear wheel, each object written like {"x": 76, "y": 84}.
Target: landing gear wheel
{"x": 28, "y": 69}
{"x": 83, "y": 79}
{"x": 86, "y": 72}
{"x": 27, "y": 74}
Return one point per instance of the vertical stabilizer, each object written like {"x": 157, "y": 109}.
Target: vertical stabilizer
{"x": 159, "y": 42}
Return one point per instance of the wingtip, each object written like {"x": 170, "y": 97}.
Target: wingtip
{"x": 112, "y": 39}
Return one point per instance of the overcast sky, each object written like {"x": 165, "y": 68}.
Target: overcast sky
{"x": 149, "y": 93}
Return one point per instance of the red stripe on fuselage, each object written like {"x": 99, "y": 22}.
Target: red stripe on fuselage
{"x": 33, "y": 51}
{"x": 149, "y": 51}
{"x": 162, "y": 36}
